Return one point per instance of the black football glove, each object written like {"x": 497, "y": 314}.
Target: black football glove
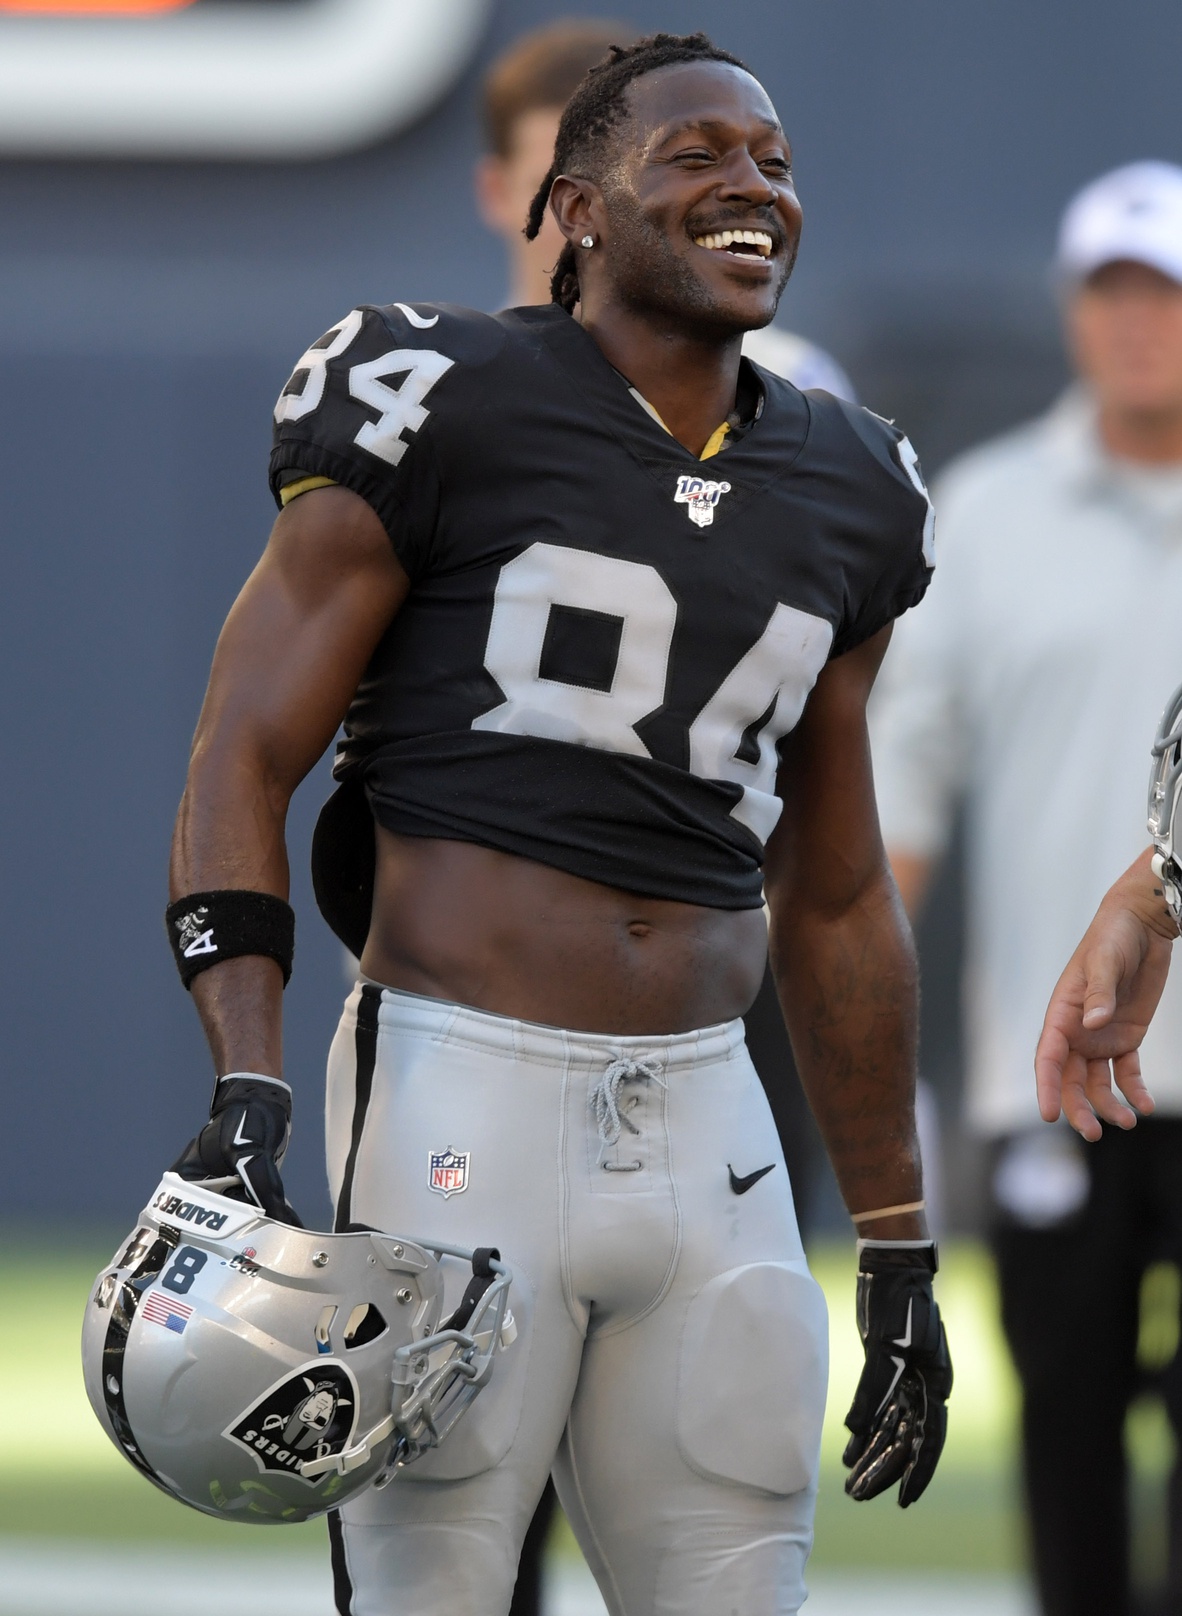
{"x": 898, "y": 1419}
{"x": 239, "y": 1150}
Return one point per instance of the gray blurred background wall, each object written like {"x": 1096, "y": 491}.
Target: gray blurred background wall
{"x": 150, "y": 312}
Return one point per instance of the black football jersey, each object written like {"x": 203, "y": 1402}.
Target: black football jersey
{"x": 605, "y": 637}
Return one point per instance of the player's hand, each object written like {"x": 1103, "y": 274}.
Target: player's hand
{"x": 898, "y": 1420}
{"x": 1101, "y": 1008}
{"x": 240, "y": 1149}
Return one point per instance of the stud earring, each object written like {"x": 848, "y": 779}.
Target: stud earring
{"x": 588, "y": 241}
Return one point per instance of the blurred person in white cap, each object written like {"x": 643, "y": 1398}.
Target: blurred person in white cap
{"x": 1025, "y": 690}
{"x": 524, "y": 91}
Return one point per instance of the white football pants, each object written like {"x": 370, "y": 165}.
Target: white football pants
{"x": 671, "y": 1358}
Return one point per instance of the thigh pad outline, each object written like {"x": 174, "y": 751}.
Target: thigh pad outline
{"x": 752, "y": 1378}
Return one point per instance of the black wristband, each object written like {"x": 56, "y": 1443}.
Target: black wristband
{"x": 206, "y": 928}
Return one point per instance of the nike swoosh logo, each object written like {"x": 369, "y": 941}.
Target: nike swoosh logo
{"x": 417, "y": 319}
{"x": 900, "y": 1364}
{"x": 243, "y": 1163}
{"x": 740, "y": 1186}
{"x": 904, "y": 1340}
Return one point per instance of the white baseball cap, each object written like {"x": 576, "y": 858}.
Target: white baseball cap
{"x": 1134, "y": 212}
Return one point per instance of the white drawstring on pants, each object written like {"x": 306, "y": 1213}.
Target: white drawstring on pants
{"x": 605, "y": 1100}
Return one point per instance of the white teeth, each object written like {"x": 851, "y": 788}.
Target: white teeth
{"x": 759, "y": 239}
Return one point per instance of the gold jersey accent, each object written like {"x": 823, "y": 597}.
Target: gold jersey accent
{"x": 715, "y": 441}
{"x": 304, "y": 486}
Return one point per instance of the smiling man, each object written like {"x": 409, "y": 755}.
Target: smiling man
{"x": 600, "y": 604}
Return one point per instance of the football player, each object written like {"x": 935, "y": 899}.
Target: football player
{"x": 600, "y": 604}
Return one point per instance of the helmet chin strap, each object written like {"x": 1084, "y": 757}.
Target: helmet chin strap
{"x": 352, "y": 1457}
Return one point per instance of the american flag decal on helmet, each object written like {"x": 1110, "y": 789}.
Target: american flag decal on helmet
{"x": 447, "y": 1171}
{"x": 160, "y": 1309}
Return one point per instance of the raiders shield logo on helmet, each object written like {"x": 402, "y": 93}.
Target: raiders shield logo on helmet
{"x": 308, "y": 1415}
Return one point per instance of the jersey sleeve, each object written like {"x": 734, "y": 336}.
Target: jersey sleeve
{"x": 354, "y": 412}
{"x": 896, "y": 522}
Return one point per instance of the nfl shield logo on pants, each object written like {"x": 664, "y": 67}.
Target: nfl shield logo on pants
{"x": 447, "y": 1171}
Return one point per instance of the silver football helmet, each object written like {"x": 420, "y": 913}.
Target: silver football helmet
{"x": 261, "y": 1372}
{"x": 1165, "y": 804}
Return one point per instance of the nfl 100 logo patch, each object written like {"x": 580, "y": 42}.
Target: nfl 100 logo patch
{"x": 447, "y": 1171}
{"x": 701, "y": 496}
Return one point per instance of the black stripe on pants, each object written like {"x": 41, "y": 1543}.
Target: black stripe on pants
{"x": 366, "y": 1047}
{"x": 366, "y": 1043}
{"x": 342, "y": 1583}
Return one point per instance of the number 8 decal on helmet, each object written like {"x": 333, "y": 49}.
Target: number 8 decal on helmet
{"x": 188, "y": 1264}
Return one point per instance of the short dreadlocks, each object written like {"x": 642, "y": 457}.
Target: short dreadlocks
{"x": 592, "y": 113}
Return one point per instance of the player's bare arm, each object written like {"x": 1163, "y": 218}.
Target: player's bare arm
{"x": 287, "y": 664}
{"x": 845, "y": 968}
{"x": 1102, "y": 1006}
{"x": 842, "y": 951}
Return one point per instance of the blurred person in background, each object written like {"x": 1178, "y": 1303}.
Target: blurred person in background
{"x": 1026, "y": 688}
{"x": 524, "y": 92}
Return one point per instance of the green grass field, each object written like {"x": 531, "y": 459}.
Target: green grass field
{"x": 63, "y": 1479}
